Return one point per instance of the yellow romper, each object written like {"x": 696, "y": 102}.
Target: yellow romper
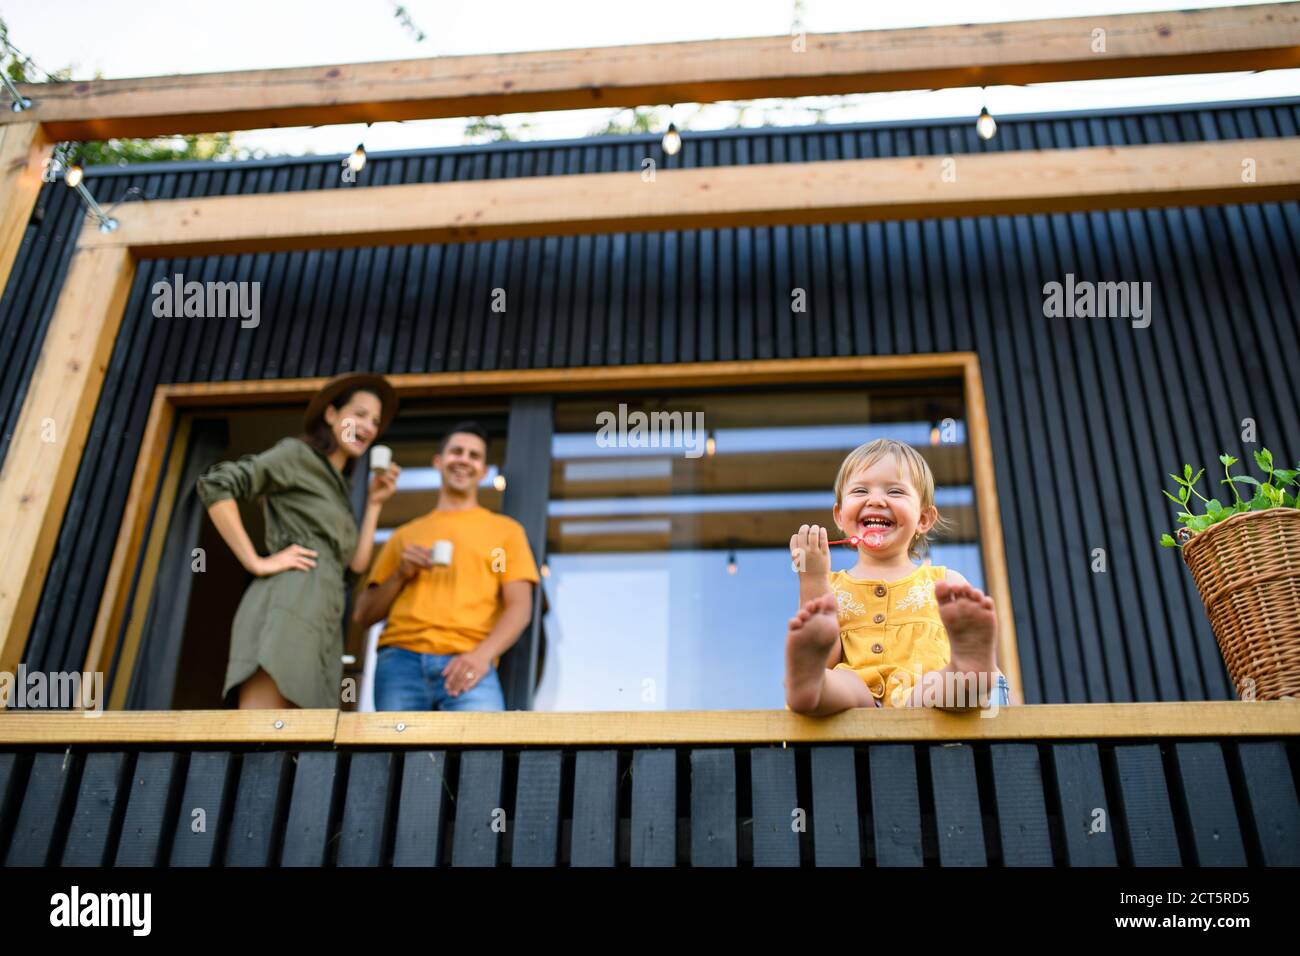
{"x": 890, "y": 631}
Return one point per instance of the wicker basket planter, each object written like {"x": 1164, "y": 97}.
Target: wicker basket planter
{"x": 1247, "y": 569}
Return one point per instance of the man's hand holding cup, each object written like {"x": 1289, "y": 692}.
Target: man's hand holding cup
{"x": 414, "y": 560}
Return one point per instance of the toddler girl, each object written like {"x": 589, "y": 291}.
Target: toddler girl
{"x": 888, "y": 632}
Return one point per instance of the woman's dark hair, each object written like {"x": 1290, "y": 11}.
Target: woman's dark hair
{"x": 463, "y": 428}
{"x": 321, "y": 436}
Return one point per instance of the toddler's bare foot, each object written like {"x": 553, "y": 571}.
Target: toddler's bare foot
{"x": 813, "y": 632}
{"x": 968, "y": 615}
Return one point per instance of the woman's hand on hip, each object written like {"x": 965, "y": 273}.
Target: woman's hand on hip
{"x": 293, "y": 558}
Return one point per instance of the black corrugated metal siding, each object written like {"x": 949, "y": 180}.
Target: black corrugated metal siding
{"x": 1017, "y": 803}
{"x": 1086, "y": 414}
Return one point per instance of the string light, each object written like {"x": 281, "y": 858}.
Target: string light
{"x": 710, "y": 445}
{"x": 731, "y": 563}
{"x": 985, "y": 125}
{"x": 73, "y": 176}
{"x": 499, "y": 482}
{"x": 356, "y": 161}
{"x": 546, "y": 570}
{"x": 20, "y": 102}
{"x": 672, "y": 141}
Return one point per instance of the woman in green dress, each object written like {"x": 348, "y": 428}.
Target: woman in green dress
{"x": 286, "y": 645}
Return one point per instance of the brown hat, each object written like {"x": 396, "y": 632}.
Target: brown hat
{"x": 350, "y": 381}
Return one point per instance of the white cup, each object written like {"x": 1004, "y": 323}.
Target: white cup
{"x": 442, "y": 553}
{"x": 381, "y": 456}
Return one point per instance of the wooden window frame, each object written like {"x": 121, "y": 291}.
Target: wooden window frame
{"x": 156, "y": 473}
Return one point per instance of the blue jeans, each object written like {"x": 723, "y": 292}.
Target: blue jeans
{"x": 1002, "y": 694}
{"x": 409, "y": 680}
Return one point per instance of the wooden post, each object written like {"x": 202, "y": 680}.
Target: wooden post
{"x": 24, "y": 152}
{"x": 990, "y": 524}
{"x": 48, "y": 441}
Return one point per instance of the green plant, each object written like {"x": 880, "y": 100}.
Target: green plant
{"x": 1270, "y": 493}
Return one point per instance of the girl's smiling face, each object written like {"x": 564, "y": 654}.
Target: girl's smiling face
{"x": 882, "y": 508}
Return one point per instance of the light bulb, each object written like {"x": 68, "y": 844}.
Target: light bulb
{"x": 672, "y": 141}
{"x": 546, "y": 571}
{"x": 710, "y": 445}
{"x": 499, "y": 482}
{"x": 934, "y": 435}
{"x": 731, "y": 563}
{"x": 357, "y": 161}
{"x": 73, "y": 176}
{"x": 986, "y": 125}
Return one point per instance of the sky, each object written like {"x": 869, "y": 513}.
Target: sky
{"x": 122, "y": 38}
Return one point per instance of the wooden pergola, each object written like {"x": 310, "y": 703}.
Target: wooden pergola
{"x": 38, "y": 473}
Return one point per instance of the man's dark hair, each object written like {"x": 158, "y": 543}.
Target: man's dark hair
{"x": 464, "y": 428}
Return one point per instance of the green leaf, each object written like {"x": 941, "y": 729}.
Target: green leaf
{"x": 1285, "y": 476}
{"x": 1260, "y": 503}
{"x": 1167, "y": 541}
{"x": 1176, "y": 478}
{"x": 1244, "y": 479}
{"x": 1187, "y": 472}
{"x": 1196, "y": 477}
{"x": 1185, "y": 493}
{"x": 1264, "y": 459}
{"x": 1228, "y": 460}
{"x": 1177, "y": 501}
{"x": 1213, "y": 506}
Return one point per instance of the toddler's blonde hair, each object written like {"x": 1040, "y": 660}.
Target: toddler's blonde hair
{"x": 911, "y": 465}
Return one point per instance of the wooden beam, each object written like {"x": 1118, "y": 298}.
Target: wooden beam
{"x": 45, "y": 451}
{"x": 169, "y": 727}
{"x": 1037, "y": 722}
{"x": 594, "y": 378}
{"x": 675, "y": 727}
{"x": 986, "y": 54}
{"x": 24, "y": 152}
{"x": 865, "y": 190}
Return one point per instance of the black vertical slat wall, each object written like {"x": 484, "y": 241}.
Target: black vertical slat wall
{"x": 1076, "y": 803}
{"x": 1086, "y": 415}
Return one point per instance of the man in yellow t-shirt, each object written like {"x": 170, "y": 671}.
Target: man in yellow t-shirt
{"x": 449, "y": 621}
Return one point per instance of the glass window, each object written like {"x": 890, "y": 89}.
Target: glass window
{"x": 668, "y": 579}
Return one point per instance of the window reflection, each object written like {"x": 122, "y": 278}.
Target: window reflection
{"x": 668, "y": 581}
